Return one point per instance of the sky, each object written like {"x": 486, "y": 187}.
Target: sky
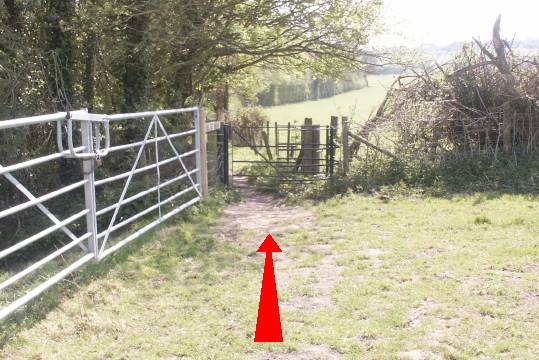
{"x": 441, "y": 22}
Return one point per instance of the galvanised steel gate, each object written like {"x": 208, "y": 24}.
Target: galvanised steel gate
{"x": 176, "y": 182}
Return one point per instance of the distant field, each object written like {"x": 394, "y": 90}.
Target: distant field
{"x": 356, "y": 104}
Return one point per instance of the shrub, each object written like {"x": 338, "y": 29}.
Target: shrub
{"x": 248, "y": 122}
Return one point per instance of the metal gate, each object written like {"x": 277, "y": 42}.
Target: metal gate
{"x": 285, "y": 153}
{"x": 157, "y": 176}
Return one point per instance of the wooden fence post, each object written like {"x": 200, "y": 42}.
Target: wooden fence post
{"x": 345, "y": 145}
{"x": 306, "y": 145}
{"x": 335, "y": 123}
{"x": 203, "y": 154}
{"x": 315, "y": 150}
{"x": 288, "y": 146}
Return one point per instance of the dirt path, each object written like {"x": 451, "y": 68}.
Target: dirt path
{"x": 246, "y": 223}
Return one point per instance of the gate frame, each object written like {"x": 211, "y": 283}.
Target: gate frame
{"x": 306, "y": 145}
{"x": 89, "y": 151}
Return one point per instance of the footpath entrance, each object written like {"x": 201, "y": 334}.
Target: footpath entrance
{"x": 283, "y": 153}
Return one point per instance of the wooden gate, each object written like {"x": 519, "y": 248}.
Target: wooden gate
{"x": 284, "y": 153}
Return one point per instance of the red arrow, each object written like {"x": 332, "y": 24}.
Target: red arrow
{"x": 268, "y": 323}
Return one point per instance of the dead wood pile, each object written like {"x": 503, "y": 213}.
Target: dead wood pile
{"x": 486, "y": 100}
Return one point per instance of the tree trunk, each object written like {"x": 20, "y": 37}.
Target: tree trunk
{"x": 222, "y": 102}
{"x": 182, "y": 86}
{"x": 59, "y": 53}
{"x": 135, "y": 74}
{"x": 90, "y": 48}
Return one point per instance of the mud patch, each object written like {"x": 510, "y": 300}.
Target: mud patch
{"x": 418, "y": 313}
{"x": 306, "y": 303}
{"x": 410, "y": 355}
{"x": 259, "y": 214}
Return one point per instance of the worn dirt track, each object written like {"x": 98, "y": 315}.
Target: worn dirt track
{"x": 245, "y": 224}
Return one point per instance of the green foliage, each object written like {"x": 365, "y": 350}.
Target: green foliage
{"x": 247, "y": 126}
{"x": 124, "y": 55}
{"x": 443, "y": 178}
{"x": 389, "y": 178}
{"x": 252, "y": 116}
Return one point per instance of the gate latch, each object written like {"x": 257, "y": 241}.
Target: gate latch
{"x": 84, "y": 153}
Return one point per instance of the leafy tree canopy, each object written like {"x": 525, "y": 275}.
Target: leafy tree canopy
{"x": 123, "y": 55}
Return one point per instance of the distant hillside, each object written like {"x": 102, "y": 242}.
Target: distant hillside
{"x": 528, "y": 46}
{"x": 441, "y": 53}
{"x": 445, "y": 52}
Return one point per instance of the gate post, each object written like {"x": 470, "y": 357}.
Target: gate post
{"x": 332, "y": 134}
{"x": 334, "y": 123}
{"x": 88, "y": 170}
{"x": 306, "y": 145}
{"x": 345, "y": 145}
{"x": 201, "y": 155}
{"x": 225, "y": 128}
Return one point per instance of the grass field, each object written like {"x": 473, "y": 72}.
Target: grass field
{"x": 388, "y": 276}
{"x": 356, "y": 104}
{"x": 359, "y": 278}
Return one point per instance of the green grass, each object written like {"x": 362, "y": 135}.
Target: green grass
{"x": 356, "y": 104}
{"x": 456, "y": 278}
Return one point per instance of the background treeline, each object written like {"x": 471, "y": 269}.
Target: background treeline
{"x": 296, "y": 90}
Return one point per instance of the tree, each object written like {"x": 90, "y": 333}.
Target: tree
{"x": 59, "y": 52}
{"x": 217, "y": 39}
{"x": 123, "y": 55}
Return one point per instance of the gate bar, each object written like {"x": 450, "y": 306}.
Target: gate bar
{"x": 199, "y": 165}
{"x": 143, "y": 193}
{"x": 41, "y": 199}
{"x": 44, "y": 286}
{"x": 159, "y": 139}
{"x": 142, "y": 169}
{"x": 145, "y": 212}
{"x": 139, "y": 115}
{"x": 41, "y": 207}
{"x": 37, "y": 161}
{"x": 42, "y": 234}
{"x": 148, "y": 227}
{"x": 127, "y": 182}
{"x": 43, "y": 261}
{"x": 33, "y": 120}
